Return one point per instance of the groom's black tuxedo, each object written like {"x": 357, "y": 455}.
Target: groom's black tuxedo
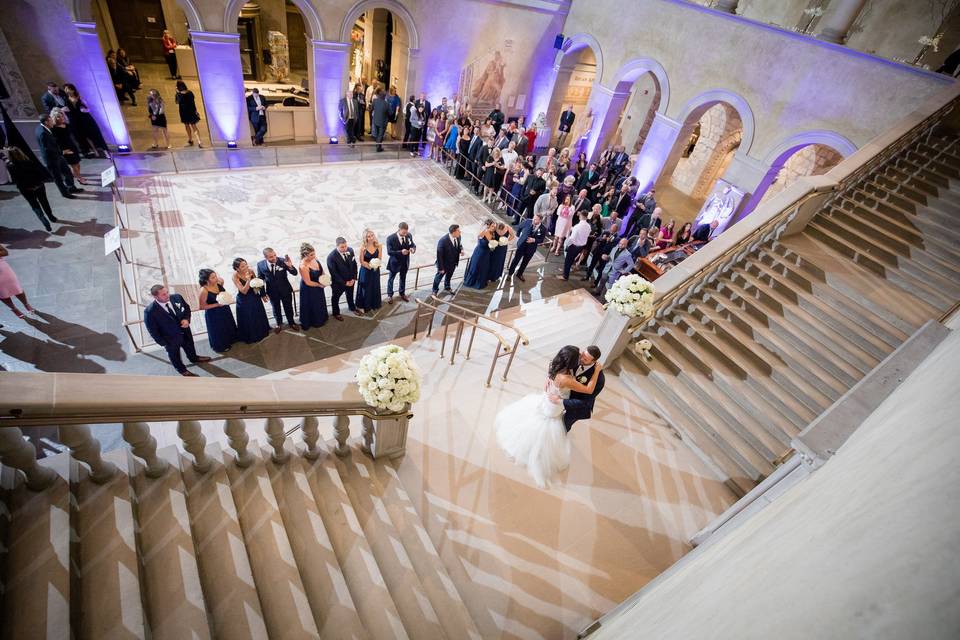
{"x": 579, "y": 406}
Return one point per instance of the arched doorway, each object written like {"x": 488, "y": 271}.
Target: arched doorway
{"x": 641, "y": 89}
{"x": 138, "y": 28}
{"x": 578, "y": 66}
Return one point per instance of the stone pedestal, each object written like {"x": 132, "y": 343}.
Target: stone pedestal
{"x": 326, "y": 66}
{"x": 656, "y": 149}
{"x": 611, "y": 336}
{"x": 100, "y": 92}
{"x": 386, "y": 438}
{"x": 221, "y": 82}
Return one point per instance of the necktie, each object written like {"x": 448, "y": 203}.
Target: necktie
{"x": 344, "y": 256}
{"x": 170, "y": 310}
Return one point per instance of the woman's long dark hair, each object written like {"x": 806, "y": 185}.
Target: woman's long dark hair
{"x": 566, "y": 359}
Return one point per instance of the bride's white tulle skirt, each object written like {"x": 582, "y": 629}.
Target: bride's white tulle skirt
{"x": 531, "y": 432}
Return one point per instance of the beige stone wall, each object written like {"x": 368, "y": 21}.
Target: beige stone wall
{"x": 720, "y": 134}
{"x": 812, "y": 160}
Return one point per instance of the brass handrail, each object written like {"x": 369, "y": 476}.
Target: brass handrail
{"x": 523, "y": 337}
{"x": 468, "y": 321}
{"x": 949, "y": 312}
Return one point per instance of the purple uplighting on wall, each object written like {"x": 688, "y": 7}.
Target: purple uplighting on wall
{"x": 329, "y": 65}
{"x": 656, "y": 149}
{"x": 221, "y": 78}
{"x": 99, "y": 91}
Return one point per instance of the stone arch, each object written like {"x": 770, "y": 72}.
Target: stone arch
{"x": 698, "y": 105}
{"x": 577, "y": 42}
{"x": 311, "y": 19}
{"x": 393, "y": 6}
{"x": 82, "y": 11}
{"x": 632, "y": 70}
{"x": 788, "y": 146}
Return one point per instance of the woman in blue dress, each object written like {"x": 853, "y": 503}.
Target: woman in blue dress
{"x": 313, "y": 299}
{"x": 252, "y": 324}
{"x": 221, "y": 327}
{"x": 503, "y": 234}
{"x": 368, "y": 280}
{"x": 450, "y": 144}
{"x": 479, "y": 268}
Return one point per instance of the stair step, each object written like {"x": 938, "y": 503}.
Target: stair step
{"x": 37, "y": 583}
{"x": 106, "y": 555}
{"x": 326, "y": 589}
{"x": 913, "y": 232}
{"x": 396, "y": 566}
{"x": 366, "y": 583}
{"x": 286, "y": 610}
{"x": 233, "y": 605}
{"x": 930, "y": 222}
{"x": 447, "y": 602}
{"x": 173, "y": 595}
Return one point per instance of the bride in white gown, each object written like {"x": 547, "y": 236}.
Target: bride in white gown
{"x": 531, "y": 429}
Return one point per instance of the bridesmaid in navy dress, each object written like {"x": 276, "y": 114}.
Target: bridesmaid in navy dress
{"x": 368, "y": 290}
{"x": 313, "y": 299}
{"x": 479, "y": 268}
{"x": 221, "y": 327}
{"x": 252, "y": 324}
{"x": 499, "y": 257}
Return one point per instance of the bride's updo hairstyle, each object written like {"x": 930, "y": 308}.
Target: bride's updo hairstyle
{"x": 565, "y": 360}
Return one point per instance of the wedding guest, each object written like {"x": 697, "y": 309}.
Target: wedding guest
{"x": 53, "y": 158}
{"x": 189, "y": 115}
{"x": 349, "y": 110}
{"x": 221, "y": 327}
{"x": 640, "y": 246}
{"x": 85, "y": 127}
{"x": 449, "y": 251}
{"x": 313, "y": 297}
{"x": 53, "y": 98}
{"x": 122, "y": 82}
{"x": 393, "y": 101}
{"x": 463, "y": 147}
{"x": 621, "y": 263}
{"x": 704, "y": 232}
{"x": 567, "y": 188}
{"x": 368, "y": 281}
{"x": 575, "y": 244}
{"x": 478, "y": 269}
{"x": 10, "y": 287}
{"x": 684, "y": 235}
{"x": 170, "y": 53}
{"x": 496, "y": 118}
{"x": 601, "y": 254}
{"x": 66, "y": 143}
{"x": 167, "y": 319}
{"x": 30, "y": 178}
{"x": 532, "y": 188}
{"x": 563, "y": 167}
{"x": 546, "y": 207}
{"x": 157, "y": 111}
{"x": 257, "y": 114}
{"x": 440, "y": 136}
{"x": 274, "y": 273}
{"x": 563, "y": 225}
{"x": 665, "y": 235}
{"x": 491, "y": 172}
{"x": 656, "y": 221}
{"x": 612, "y": 223}
{"x": 503, "y": 234}
{"x": 531, "y": 233}
{"x": 451, "y": 140}
{"x": 649, "y": 200}
{"x": 123, "y": 62}
{"x": 342, "y": 266}
{"x": 400, "y": 246}
{"x": 580, "y": 167}
{"x": 567, "y": 119}
{"x": 252, "y": 323}
{"x": 418, "y": 120}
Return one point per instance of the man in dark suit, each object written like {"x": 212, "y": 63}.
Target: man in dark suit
{"x": 649, "y": 200}
{"x": 533, "y": 188}
{"x": 704, "y": 231}
{"x": 53, "y": 98}
{"x": 496, "y": 119}
{"x": 379, "y": 115}
{"x": 566, "y": 124}
{"x": 529, "y": 236}
{"x": 449, "y": 251}
{"x": 581, "y": 202}
{"x": 600, "y": 253}
{"x": 53, "y": 158}
{"x": 484, "y": 151}
{"x": 619, "y": 160}
{"x": 579, "y": 406}
{"x": 400, "y": 246}
{"x": 589, "y": 178}
{"x": 424, "y": 106}
{"x": 640, "y": 247}
{"x": 257, "y": 112}
{"x": 273, "y": 272}
{"x": 522, "y": 143}
{"x": 349, "y": 112}
{"x": 167, "y": 319}
{"x": 639, "y": 219}
{"x": 622, "y": 202}
{"x": 342, "y": 267}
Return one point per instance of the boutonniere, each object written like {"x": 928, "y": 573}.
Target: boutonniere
{"x": 582, "y": 379}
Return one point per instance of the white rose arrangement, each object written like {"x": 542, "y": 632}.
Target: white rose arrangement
{"x": 493, "y": 244}
{"x": 325, "y": 279}
{"x": 643, "y": 348}
{"x": 375, "y": 263}
{"x": 504, "y": 242}
{"x": 388, "y": 378}
{"x": 225, "y": 298}
{"x": 631, "y": 295}
{"x": 257, "y": 285}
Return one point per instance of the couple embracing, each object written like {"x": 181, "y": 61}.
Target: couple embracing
{"x": 533, "y": 430}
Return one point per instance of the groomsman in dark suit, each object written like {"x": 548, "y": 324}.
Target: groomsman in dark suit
{"x": 52, "y": 157}
{"x": 342, "y": 267}
{"x": 168, "y": 321}
{"x": 566, "y": 124}
{"x": 449, "y": 251}
{"x": 274, "y": 272}
{"x": 400, "y": 246}
{"x": 529, "y": 236}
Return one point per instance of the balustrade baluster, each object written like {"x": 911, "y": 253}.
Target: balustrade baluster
{"x": 367, "y": 444}
{"x": 19, "y": 454}
{"x": 341, "y": 430}
{"x": 237, "y": 438}
{"x": 86, "y": 449}
{"x": 276, "y": 437}
{"x": 144, "y": 446}
{"x": 311, "y": 434}
{"x": 195, "y": 443}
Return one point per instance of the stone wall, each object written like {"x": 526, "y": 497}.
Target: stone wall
{"x": 812, "y": 160}
{"x": 720, "y": 134}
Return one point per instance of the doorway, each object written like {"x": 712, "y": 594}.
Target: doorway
{"x": 139, "y": 26}
{"x": 247, "y": 27}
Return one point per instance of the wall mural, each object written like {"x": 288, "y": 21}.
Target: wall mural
{"x": 484, "y": 80}
{"x": 20, "y": 104}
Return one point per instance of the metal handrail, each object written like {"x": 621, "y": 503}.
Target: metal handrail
{"x": 523, "y": 337}
{"x": 469, "y": 321}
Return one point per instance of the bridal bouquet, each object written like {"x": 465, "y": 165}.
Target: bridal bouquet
{"x": 388, "y": 378}
{"x": 643, "y": 348}
{"x": 631, "y": 295}
{"x": 493, "y": 244}
{"x": 504, "y": 242}
{"x": 257, "y": 285}
{"x": 325, "y": 279}
{"x": 375, "y": 263}
{"x": 224, "y": 298}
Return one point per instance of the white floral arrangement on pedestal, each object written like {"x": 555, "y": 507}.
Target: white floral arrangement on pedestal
{"x": 325, "y": 279}
{"x": 643, "y": 348}
{"x": 225, "y": 298}
{"x": 631, "y": 295}
{"x": 388, "y": 378}
{"x": 375, "y": 263}
{"x": 493, "y": 244}
{"x": 504, "y": 241}
{"x": 257, "y": 284}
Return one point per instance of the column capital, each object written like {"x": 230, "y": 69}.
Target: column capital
{"x": 215, "y": 37}
{"x": 611, "y": 93}
{"x": 413, "y": 53}
{"x": 327, "y": 45}
{"x": 666, "y": 121}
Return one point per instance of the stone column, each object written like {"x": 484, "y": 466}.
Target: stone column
{"x": 541, "y": 91}
{"x": 221, "y": 83}
{"x": 101, "y": 97}
{"x": 746, "y": 174}
{"x": 606, "y": 105}
{"x": 413, "y": 71}
{"x": 657, "y": 147}
{"x": 838, "y": 18}
{"x": 327, "y": 64}
{"x": 727, "y": 6}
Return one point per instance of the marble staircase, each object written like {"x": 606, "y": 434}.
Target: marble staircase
{"x": 741, "y": 367}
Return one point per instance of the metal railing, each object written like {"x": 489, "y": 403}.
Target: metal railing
{"x": 465, "y": 317}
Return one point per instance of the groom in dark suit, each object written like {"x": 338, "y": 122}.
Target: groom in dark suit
{"x": 579, "y": 406}
{"x": 168, "y": 320}
{"x": 273, "y": 272}
{"x": 342, "y": 267}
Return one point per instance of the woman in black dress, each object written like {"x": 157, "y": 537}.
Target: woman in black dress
{"x": 463, "y": 146}
{"x": 85, "y": 128}
{"x": 313, "y": 300}
{"x": 68, "y": 146}
{"x": 492, "y": 169}
{"x": 252, "y": 324}
{"x": 157, "y": 112}
{"x": 189, "y": 115}
{"x": 221, "y": 327}
{"x": 29, "y": 178}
